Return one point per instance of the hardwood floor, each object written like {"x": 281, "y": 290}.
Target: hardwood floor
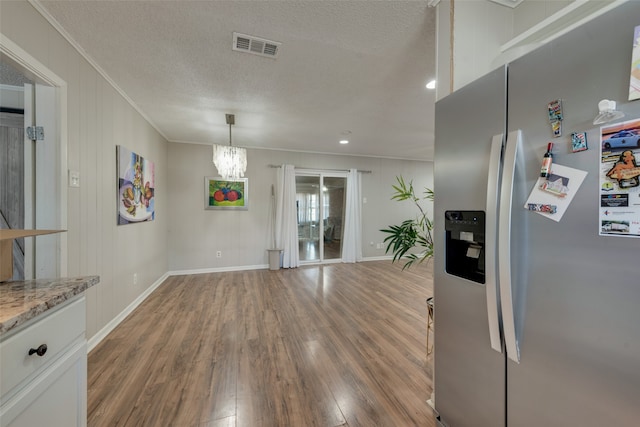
{"x": 332, "y": 345}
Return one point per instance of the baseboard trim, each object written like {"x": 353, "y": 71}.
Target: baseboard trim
{"x": 217, "y": 270}
{"x": 377, "y": 258}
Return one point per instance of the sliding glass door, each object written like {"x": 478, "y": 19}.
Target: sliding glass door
{"x": 308, "y": 212}
{"x": 333, "y": 216}
{"x": 320, "y": 200}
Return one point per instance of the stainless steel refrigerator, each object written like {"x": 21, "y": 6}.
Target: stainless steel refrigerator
{"x": 537, "y": 321}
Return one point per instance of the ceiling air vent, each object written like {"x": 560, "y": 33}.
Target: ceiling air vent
{"x": 255, "y": 45}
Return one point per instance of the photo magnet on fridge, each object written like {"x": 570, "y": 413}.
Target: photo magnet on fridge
{"x": 555, "y": 110}
{"x": 578, "y": 141}
{"x": 556, "y": 185}
{"x": 555, "y": 117}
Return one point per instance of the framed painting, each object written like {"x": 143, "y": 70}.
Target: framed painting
{"x": 226, "y": 194}
{"x": 136, "y": 187}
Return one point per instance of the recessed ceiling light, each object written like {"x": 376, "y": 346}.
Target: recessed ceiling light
{"x": 344, "y": 141}
{"x": 431, "y": 84}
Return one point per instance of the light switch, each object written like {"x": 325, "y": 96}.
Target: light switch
{"x": 74, "y": 178}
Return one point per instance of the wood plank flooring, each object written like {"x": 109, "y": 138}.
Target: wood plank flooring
{"x": 333, "y": 345}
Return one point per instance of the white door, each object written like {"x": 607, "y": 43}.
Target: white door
{"x": 47, "y": 170}
{"x": 41, "y": 172}
{"x": 45, "y": 164}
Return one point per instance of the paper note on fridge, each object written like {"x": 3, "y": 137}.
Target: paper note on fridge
{"x": 558, "y": 190}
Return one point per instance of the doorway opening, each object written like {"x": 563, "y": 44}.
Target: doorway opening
{"x": 320, "y": 203}
{"x": 33, "y": 169}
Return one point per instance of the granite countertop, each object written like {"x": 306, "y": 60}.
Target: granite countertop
{"x": 21, "y": 301}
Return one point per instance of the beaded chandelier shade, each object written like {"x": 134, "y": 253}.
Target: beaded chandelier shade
{"x": 230, "y": 161}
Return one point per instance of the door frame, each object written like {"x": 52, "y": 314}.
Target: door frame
{"x": 39, "y": 73}
{"x": 321, "y": 174}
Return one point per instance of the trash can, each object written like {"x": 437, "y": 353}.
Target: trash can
{"x": 274, "y": 258}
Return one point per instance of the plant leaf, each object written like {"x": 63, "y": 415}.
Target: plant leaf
{"x": 411, "y": 234}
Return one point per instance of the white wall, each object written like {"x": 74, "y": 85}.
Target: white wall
{"x": 195, "y": 234}
{"x": 479, "y": 29}
{"x": 98, "y": 119}
{"x": 530, "y": 13}
{"x": 486, "y": 35}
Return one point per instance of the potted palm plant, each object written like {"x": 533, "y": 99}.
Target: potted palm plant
{"x": 412, "y": 240}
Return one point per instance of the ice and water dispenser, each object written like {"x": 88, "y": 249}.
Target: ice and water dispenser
{"x": 465, "y": 244}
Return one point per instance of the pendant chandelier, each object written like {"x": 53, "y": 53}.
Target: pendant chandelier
{"x": 230, "y": 161}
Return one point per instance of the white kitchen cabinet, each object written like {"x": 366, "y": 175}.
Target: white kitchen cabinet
{"x": 49, "y": 389}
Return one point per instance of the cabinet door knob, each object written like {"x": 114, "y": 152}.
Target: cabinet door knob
{"x": 40, "y": 351}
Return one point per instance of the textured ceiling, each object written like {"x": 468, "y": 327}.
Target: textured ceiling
{"x": 357, "y": 66}
{"x": 12, "y": 77}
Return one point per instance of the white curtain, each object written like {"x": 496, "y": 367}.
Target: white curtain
{"x": 307, "y": 208}
{"x": 286, "y": 217}
{"x": 352, "y": 244}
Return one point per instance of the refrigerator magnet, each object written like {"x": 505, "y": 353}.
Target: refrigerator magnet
{"x": 556, "y": 185}
{"x": 578, "y": 141}
{"x": 542, "y": 207}
{"x": 555, "y": 110}
{"x": 555, "y": 117}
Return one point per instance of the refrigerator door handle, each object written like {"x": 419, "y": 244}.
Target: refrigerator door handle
{"x": 491, "y": 287}
{"x": 504, "y": 247}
